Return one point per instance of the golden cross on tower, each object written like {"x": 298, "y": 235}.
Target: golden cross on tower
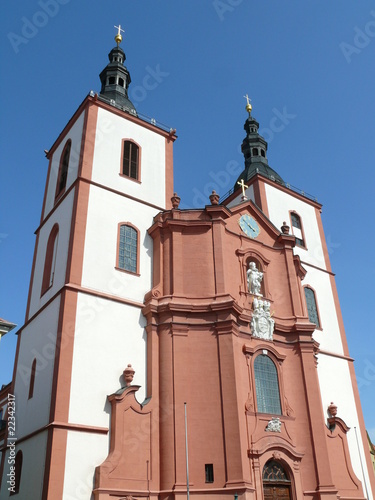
{"x": 248, "y": 105}
{"x": 118, "y": 37}
{"x": 243, "y": 186}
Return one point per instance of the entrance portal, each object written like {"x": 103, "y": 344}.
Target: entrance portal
{"x": 276, "y": 484}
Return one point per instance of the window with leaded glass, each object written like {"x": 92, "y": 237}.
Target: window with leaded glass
{"x": 130, "y": 161}
{"x": 128, "y": 247}
{"x": 297, "y": 229}
{"x": 273, "y": 471}
{"x": 312, "y": 309}
{"x": 266, "y": 385}
{"x": 63, "y": 169}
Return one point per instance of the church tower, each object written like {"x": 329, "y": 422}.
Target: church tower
{"x": 110, "y": 172}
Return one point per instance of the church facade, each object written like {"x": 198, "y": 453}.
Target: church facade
{"x": 163, "y": 344}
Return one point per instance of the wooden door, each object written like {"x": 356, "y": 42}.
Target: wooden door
{"x": 276, "y": 492}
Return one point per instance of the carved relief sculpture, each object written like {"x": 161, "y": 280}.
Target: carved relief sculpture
{"x": 262, "y": 324}
{"x": 254, "y": 279}
{"x": 274, "y": 425}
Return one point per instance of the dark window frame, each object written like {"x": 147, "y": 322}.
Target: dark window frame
{"x": 62, "y": 176}
{"x": 209, "y": 473}
{"x": 32, "y": 379}
{"x": 50, "y": 259}
{"x": 130, "y": 160}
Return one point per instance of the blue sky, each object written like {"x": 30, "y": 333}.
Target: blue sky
{"x": 311, "y": 61}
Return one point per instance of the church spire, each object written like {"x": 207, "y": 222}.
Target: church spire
{"x": 115, "y": 77}
{"x": 254, "y": 148}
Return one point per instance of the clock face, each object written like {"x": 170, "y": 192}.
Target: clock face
{"x": 249, "y": 226}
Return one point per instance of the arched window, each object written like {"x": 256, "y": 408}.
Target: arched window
{"x": 297, "y": 229}
{"x": 312, "y": 309}
{"x": 32, "y": 379}
{"x": 63, "y": 169}
{"x": 130, "y": 160}
{"x": 18, "y": 470}
{"x": 276, "y": 483}
{"x": 50, "y": 260}
{"x": 255, "y": 152}
{"x": 112, "y": 80}
{"x": 266, "y": 385}
{"x": 128, "y": 249}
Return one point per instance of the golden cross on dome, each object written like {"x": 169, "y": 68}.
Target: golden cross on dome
{"x": 118, "y": 37}
{"x": 248, "y": 105}
{"x": 243, "y": 186}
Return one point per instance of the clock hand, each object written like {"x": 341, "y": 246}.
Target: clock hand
{"x": 251, "y": 227}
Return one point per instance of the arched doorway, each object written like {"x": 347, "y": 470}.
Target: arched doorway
{"x": 276, "y": 483}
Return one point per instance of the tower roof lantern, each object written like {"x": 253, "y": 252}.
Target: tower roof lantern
{"x": 254, "y": 148}
{"x": 115, "y": 77}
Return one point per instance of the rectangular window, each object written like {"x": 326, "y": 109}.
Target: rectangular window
{"x": 209, "y": 470}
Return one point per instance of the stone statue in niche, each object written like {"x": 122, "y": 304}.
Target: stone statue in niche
{"x": 262, "y": 324}
{"x": 274, "y": 425}
{"x": 254, "y": 279}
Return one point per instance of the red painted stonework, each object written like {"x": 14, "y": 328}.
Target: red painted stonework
{"x": 201, "y": 351}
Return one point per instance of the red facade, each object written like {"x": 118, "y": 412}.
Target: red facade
{"x": 201, "y": 352}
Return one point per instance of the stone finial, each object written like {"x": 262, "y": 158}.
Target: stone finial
{"x": 175, "y": 200}
{"x": 214, "y": 198}
{"x": 128, "y": 375}
{"x": 285, "y": 228}
{"x": 332, "y": 409}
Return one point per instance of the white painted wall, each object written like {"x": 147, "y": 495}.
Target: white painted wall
{"x": 62, "y": 217}
{"x": 106, "y": 210}
{"x": 111, "y": 130}
{"x": 108, "y": 336}
{"x": 336, "y": 386}
{"x": 32, "y": 468}
{"x": 279, "y": 205}
{"x": 75, "y": 134}
{"x": 84, "y": 452}
{"x": 38, "y": 341}
{"x": 329, "y": 337}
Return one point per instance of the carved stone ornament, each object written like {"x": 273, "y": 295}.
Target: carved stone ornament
{"x": 249, "y": 406}
{"x": 332, "y": 409}
{"x": 175, "y": 200}
{"x": 276, "y": 455}
{"x": 254, "y": 279}
{"x": 128, "y": 375}
{"x": 274, "y": 425}
{"x": 214, "y": 198}
{"x": 262, "y": 324}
